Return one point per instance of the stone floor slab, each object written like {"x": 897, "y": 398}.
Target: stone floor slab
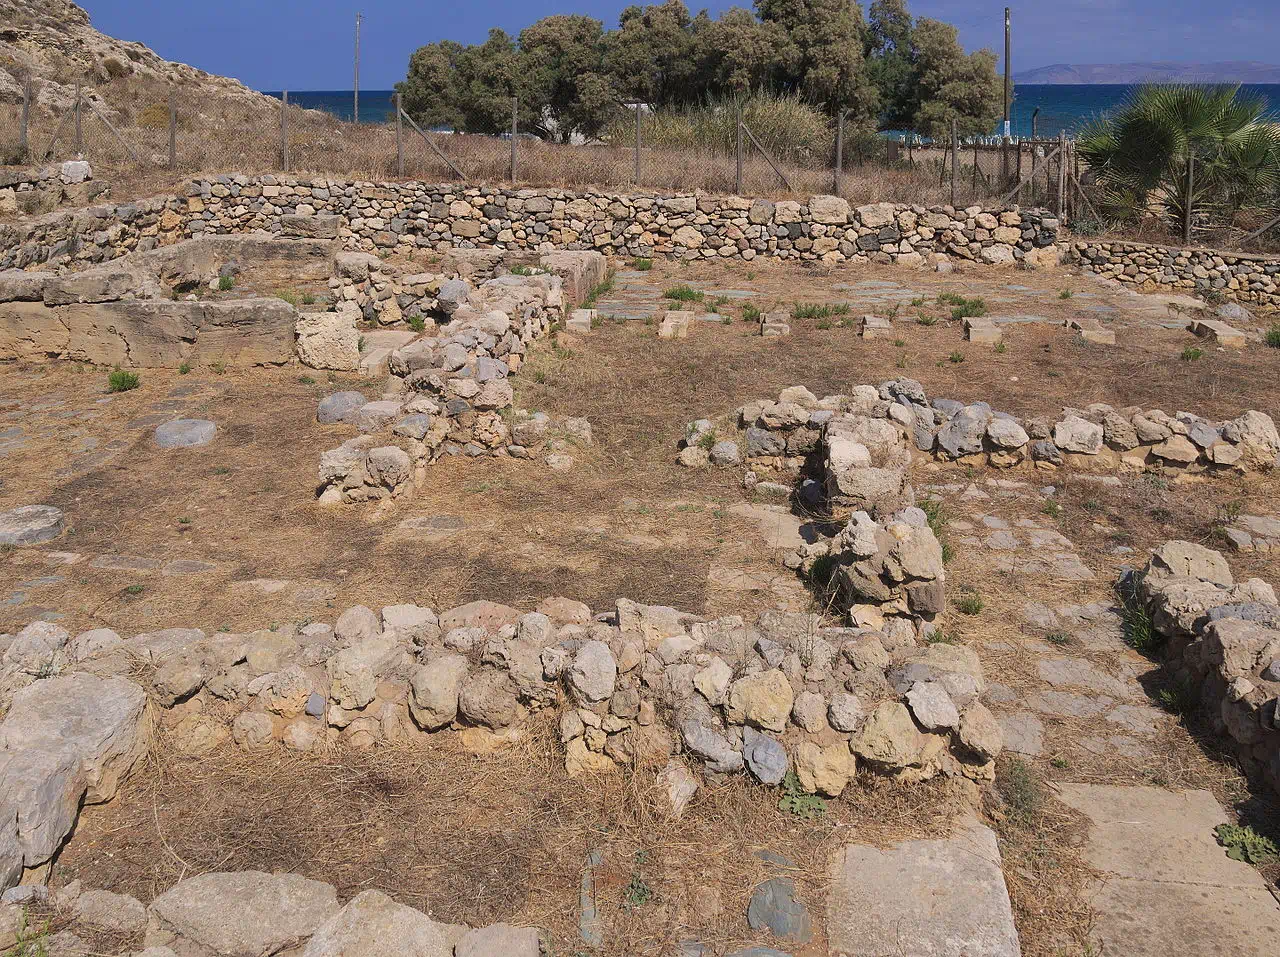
{"x": 940, "y": 898}
{"x": 1166, "y": 885}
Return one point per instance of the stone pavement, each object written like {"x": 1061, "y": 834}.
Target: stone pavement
{"x": 1165, "y": 886}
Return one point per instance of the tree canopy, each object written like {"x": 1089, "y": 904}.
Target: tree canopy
{"x": 572, "y": 75}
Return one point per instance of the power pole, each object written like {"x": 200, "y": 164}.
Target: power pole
{"x": 356, "y": 105}
{"x": 1008, "y": 76}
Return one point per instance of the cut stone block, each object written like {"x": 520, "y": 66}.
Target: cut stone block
{"x": 185, "y": 433}
{"x": 1165, "y": 885}
{"x": 1219, "y": 332}
{"x": 30, "y": 525}
{"x": 580, "y": 320}
{"x": 942, "y": 898}
{"x": 675, "y": 325}
{"x": 873, "y": 326}
{"x": 1092, "y": 331}
{"x": 775, "y": 324}
{"x": 982, "y": 330}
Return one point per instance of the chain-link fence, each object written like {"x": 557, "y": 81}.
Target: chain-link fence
{"x": 186, "y": 132}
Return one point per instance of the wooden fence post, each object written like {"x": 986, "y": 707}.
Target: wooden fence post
{"x": 1186, "y": 211}
{"x": 955, "y": 160}
{"x": 26, "y": 119}
{"x": 173, "y": 128}
{"x": 637, "y": 144}
{"x": 79, "y": 125}
{"x": 399, "y": 140}
{"x": 737, "y": 180}
{"x": 839, "y": 152}
{"x": 1062, "y": 175}
{"x": 515, "y": 132}
{"x": 284, "y": 131}
{"x": 974, "y": 187}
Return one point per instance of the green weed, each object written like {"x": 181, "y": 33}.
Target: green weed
{"x": 1191, "y": 354}
{"x": 226, "y": 283}
{"x": 642, "y": 265}
{"x": 1246, "y": 844}
{"x": 121, "y": 381}
{"x": 795, "y": 802}
{"x": 684, "y": 293}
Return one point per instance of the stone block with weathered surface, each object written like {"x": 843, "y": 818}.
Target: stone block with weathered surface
{"x": 581, "y": 271}
{"x": 775, "y": 324}
{"x": 1092, "y": 331}
{"x": 1218, "y": 331}
{"x": 675, "y": 325}
{"x": 982, "y": 330}
{"x": 938, "y": 898}
{"x": 580, "y": 321}
{"x": 874, "y": 326}
{"x": 320, "y": 226}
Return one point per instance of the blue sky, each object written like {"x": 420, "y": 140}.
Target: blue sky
{"x": 307, "y": 44}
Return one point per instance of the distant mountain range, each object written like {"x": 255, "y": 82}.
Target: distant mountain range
{"x": 1160, "y": 72}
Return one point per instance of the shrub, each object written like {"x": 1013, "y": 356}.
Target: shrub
{"x": 811, "y": 310}
{"x": 288, "y": 295}
{"x": 154, "y": 116}
{"x": 417, "y": 324}
{"x": 750, "y": 312}
{"x": 184, "y": 368}
{"x": 1021, "y": 789}
{"x": 1065, "y": 294}
{"x": 956, "y": 357}
{"x": 1273, "y": 336}
{"x": 966, "y": 308}
{"x": 226, "y": 283}
{"x": 121, "y": 381}
{"x": 970, "y": 603}
{"x": 1191, "y": 354}
{"x": 924, "y": 320}
{"x": 642, "y": 265}
{"x": 684, "y": 293}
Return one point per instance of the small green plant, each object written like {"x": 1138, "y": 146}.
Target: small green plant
{"x": 1065, "y": 294}
{"x": 824, "y": 324}
{"x": 1273, "y": 336}
{"x": 963, "y": 308}
{"x": 1000, "y": 348}
{"x": 227, "y": 283}
{"x": 30, "y": 941}
{"x": 812, "y": 310}
{"x": 750, "y": 312}
{"x": 843, "y": 309}
{"x": 1246, "y": 844}
{"x": 1191, "y": 354}
{"x": 134, "y": 590}
{"x": 642, "y": 265}
{"x": 288, "y": 295}
{"x": 938, "y": 636}
{"x": 417, "y": 324}
{"x": 901, "y": 363}
{"x": 121, "y": 381}
{"x": 601, "y": 288}
{"x": 306, "y": 380}
{"x": 795, "y": 802}
{"x": 218, "y": 367}
{"x": 1060, "y": 763}
{"x": 707, "y": 441}
{"x": 637, "y": 893}
{"x": 184, "y": 367}
{"x": 956, "y": 357}
{"x": 184, "y": 521}
{"x": 1178, "y": 697}
{"x": 936, "y": 515}
{"x": 1058, "y": 638}
{"x": 308, "y": 299}
{"x": 222, "y": 470}
{"x": 925, "y": 320}
{"x": 1022, "y": 791}
{"x": 970, "y": 603}
{"x": 540, "y": 377}
{"x": 900, "y": 343}
{"x": 1140, "y": 632}
{"x": 360, "y": 344}
{"x": 1051, "y": 508}
{"x": 525, "y": 271}
{"x": 684, "y": 293}
{"x": 917, "y": 302}
{"x": 1091, "y": 505}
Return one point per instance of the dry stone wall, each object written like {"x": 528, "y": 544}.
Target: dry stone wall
{"x": 407, "y": 216}
{"x": 1239, "y": 276}
{"x": 1222, "y": 644}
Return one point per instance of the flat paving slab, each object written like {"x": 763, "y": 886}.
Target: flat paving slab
{"x": 937, "y": 898}
{"x": 1166, "y": 885}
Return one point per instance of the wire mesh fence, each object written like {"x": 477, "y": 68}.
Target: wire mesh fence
{"x": 185, "y": 132}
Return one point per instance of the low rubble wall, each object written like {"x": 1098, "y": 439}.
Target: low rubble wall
{"x": 1221, "y": 643}
{"x": 1238, "y": 276}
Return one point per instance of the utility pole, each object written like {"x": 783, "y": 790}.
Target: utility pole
{"x": 356, "y": 105}
{"x": 1008, "y": 76}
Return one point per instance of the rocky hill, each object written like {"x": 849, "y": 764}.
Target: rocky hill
{"x": 1155, "y": 72}
{"x": 53, "y": 43}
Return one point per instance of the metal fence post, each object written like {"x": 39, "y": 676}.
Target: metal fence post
{"x": 399, "y": 138}
{"x": 1062, "y": 176}
{"x": 839, "y": 152}
{"x": 637, "y": 144}
{"x": 515, "y": 132}
{"x": 173, "y": 129}
{"x": 26, "y": 119}
{"x": 284, "y": 131}
{"x": 79, "y": 126}
{"x": 737, "y": 182}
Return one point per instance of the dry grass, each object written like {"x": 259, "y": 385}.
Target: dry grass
{"x": 479, "y": 839}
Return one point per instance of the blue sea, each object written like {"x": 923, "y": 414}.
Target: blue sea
{"x": 1062, "y": 106}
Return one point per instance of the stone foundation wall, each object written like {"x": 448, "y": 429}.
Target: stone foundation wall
{"x": 1238, "y": 276}
{"x": 407, "y": 216}
{"x": 1221, "y": 645}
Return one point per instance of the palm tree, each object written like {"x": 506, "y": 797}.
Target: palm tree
{"x": 1174, "y": 149}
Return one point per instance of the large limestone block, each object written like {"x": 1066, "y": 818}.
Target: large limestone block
{"x": 320, "y": 226}
{"x": 30, "y": 330}
{"x": 329, "y": 340}
{"x": 109, "y": 282}
{"x": 242, "y": 914}
{"x": 941, "y": 898}
{"x": 374, "y": 925}
{"x": 65, "y": 741}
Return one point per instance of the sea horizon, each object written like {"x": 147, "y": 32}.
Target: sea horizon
{"x": 1061, "y": 106}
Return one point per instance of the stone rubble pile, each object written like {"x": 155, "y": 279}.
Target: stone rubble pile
{"x": 864, "y": 437}
{"x": 449, "y": 392}
{"x": 1222, "y": 642}
{"x": 33, "y": 191}
{"x": 639, "y": 683}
